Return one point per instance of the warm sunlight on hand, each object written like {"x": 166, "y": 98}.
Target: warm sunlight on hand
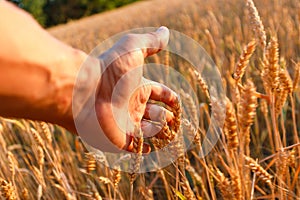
{"x": 133, "y": 91}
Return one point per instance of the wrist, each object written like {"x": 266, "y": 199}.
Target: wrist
{"x": 65, "y": 74}
{"x": 76, "y": 87}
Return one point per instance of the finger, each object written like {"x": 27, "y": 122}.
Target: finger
{"x": 157, "y": 113}
{"x": 146, "y": 148}
{"x": 150, "y": 129}
{"x": 158, "y": 130}
{"x": 160, "y": 92}
{"x": 155, "y": 41}
{"x": 146, "y": 44}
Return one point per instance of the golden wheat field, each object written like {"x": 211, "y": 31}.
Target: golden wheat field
{"x": 256, "y": 46}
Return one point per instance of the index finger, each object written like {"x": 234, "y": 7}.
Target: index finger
{"x": 160, "y": 92}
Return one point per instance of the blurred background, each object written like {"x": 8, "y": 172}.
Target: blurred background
{"x": 52, "y": 12}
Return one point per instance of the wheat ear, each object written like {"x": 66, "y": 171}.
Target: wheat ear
{"x": 41, "y": 157}
{"x": 230, "y": 127}
{"x": 285, "y": 88}
{"x": 259, "y": 170}
{"x": 136, "y": 156}
{"x": 297, "y": 75}
{"x": 46, "y": 131}
{"x": 7, "y": 190}
{"x": 90, "y": 162}
{"x": 11, "y": 164}
{"x": 224, "y": 185}
{"x": 247, "y": 112}
{"x": 202, "y": 83}
{"x": 243, "y": 61}
{"x": 256, "y": 24}
{"x": 270, "y": 72}
{"x": 236, "y": 185}
{"x": 25, "y": 194}
{"x": 37, "y": 138}
{"x": 116, "y": 177}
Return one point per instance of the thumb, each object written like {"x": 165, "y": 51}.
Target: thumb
{"x": 153, "y": 42}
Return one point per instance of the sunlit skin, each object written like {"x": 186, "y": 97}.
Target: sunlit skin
{"x": 38, "y": 73}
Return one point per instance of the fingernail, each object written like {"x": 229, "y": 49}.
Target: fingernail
{"x": 162, "y": 28}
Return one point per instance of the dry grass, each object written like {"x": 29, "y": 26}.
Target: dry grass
{"x": 257, "y": 156}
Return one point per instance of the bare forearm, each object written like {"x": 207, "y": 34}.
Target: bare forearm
{"x": 37, "y": 72}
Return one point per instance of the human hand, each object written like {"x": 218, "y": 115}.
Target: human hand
{"x": 123, "y": 93}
